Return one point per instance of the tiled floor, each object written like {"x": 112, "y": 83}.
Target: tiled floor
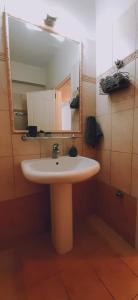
{"x": 100, "y": 267}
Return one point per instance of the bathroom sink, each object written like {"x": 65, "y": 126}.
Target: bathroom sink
{"x": 62, "y": 170}
{"x": 61, "y": 173}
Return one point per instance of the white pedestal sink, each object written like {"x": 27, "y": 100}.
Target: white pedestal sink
{"x": 60, "y": 173}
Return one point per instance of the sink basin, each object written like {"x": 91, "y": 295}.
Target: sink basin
{"x": 60, "y": 173}
{"x": 62, "y": 170}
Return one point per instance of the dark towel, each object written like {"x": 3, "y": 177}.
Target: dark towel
{"x": 75, "y": 103}
{"x": 93, "y": 132}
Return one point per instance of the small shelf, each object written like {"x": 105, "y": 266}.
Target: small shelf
{"x": 29, "y": 138}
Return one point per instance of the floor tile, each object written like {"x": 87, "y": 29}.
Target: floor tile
{"x": 101, "y": 266}
{"x": 82, "y": 284}
{"x": 51, "y": 289}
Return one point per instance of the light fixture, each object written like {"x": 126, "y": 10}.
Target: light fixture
{"x": 32, "y": 27}
{"x": 58, "y": 37}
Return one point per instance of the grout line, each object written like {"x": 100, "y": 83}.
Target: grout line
{"x": 134, "y": 297}
{"x": 119, "y": 111}
{"x": 133, "y": 131}
{"x": 3, "y": 56}
{"x": 110, "y": 180}
{"x": 127, "y": 265}
{"x": 65, "y": 288}
{"x": 127, "y": 60}
{"x": 116, "y": 151}
{"x": 115, "y": 112}
{"x": 102, "y": 282}
{"x": 89, "y": 79}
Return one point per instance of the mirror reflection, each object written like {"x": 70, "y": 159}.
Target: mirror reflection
{"x": 45, "y": 73}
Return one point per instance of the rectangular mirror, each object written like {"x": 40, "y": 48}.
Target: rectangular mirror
{"x": 45, "y": 78}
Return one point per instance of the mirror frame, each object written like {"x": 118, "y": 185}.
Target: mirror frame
{"x": 10, "y": 94}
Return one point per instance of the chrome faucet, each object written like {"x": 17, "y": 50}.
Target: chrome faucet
{"x": 55, "y": 150}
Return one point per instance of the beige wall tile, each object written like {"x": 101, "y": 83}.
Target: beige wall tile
{"x": 136, "y": 84}
{"x": 105, "y": 123}
{"x": 6, "y": 178}
{"x": 67, "y": 144}
{"x": 73, "y": 142}
{"x": 88, "y": 151}
{"x": 121, "y": 171}
{"x": 79, "y": 145}
{"x": 46, "y": 146}
{"x": 104, "y": 158}
{"x": 24, "y": 147}
{"x": 124, "y": 100}
{"x": 103, "y": 103}
{"x": 124, "y": 34}
{"x": 135, "y": 132}
{"x": 134, "y": 188}
{"x": 5, "y": 134}
{"x": 4, "y": 102}
{"x": 88, "y": 99}
{"x": 122, "y": 127}
{"x": 23, "y": 186}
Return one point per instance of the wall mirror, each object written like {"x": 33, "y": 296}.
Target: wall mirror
{"x": 45, "y": 78}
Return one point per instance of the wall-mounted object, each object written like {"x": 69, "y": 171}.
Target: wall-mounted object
{"x": 75, "y": 103}
{"x": 93, "y": 132}
{"x": 119, "y": 63}
{"x": 32, "y": 131}
{"x": 45, "y": 72}
{"x": 48, "y": 136}
{"x": 115, "y": 82}
{"x": 50, "y": 21}
{"x": 73, "y": 152}
{"x": 120, "y": 194}
{"x": 20, "y": 113}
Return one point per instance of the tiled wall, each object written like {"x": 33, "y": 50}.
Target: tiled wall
{"x": 118, "y": 114}
{"x": 14, "y": 188}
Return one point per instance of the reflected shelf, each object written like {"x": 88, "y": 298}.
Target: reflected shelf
{"x": 30, "y": 138}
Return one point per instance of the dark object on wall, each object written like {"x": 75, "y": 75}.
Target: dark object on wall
{"x": 73, "y": 151}
{"x": 75, "y": 103}
{"x": 115, "y": 82}
{"x": 120, "y": 194}
{"x": 32, "y": 131}
{"x": 50, "y": 21}
{"x": 119, "y": 63}
{"x": 93, "y": 132}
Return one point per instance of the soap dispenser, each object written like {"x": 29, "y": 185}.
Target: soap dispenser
{"x": 73, "y": 152}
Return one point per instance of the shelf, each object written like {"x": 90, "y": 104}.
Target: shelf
{"x": 29, "y": 138}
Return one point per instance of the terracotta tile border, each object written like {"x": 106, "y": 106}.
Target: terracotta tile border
{"x": 3, "y": 57}
{"x": 88, "y": 79}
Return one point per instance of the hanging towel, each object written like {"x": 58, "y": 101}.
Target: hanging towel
{"x": 75, "y": 103}
{"x": 93, "y": 132}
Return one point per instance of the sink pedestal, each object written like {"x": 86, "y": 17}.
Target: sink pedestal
{"x": 60, "y": 173}
{"x": 61, "y": 214}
